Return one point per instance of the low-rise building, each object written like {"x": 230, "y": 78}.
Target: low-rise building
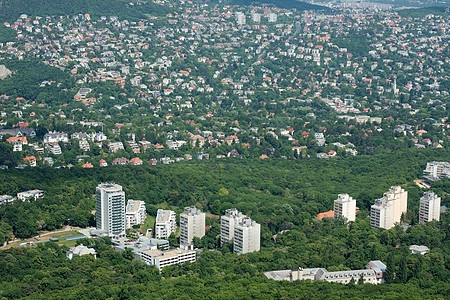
{"x": 161, "y": 259}
{"x": 35, "y": 194}
{"x": 373, "y": 273}
{"x": 80, "y": 250}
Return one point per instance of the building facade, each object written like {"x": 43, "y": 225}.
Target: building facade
{"x": 110, "y": 210}
{"x": 160, "y": 259}
{"x": 430, "y": 205}
{"x": 165, "y": 223}
{"x": 135, "y": 213}
{"x": 192, "y": 224}
{"x": 381, "y": 214}
{"x": 398, "y": 198}
{"x": 436, "y": 170}
{"x": 345, "y": 206}
{"x": 247, "y": 235}
{"x": 373, "y": 273}
{"x": 227, "y": 223}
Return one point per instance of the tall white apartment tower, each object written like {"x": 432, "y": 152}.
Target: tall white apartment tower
{"x": 110, "y": 210}
{"x": 247, "y": 235}
{"x": 240, "y": 18}
{"x": 345, "y": 206}
{"x": 166, "y": 223}
{"x": 192, "y": 224}
{"x": 398, "y": 198}
{"x": 430, "y": 205}
{"x": 381, "y": 214}
{"x": 227, "y": 223}
{"x": 273, "y": 17}
{"x": 256, "y": 17}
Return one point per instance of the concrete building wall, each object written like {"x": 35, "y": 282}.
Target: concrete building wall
{"x": 429, "y": 209}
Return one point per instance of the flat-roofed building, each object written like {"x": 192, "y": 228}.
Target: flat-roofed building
{"x": 110, "y": 210}
{"x": 430, "y": 206}
{"x": 135, "y": 213}
{"x": 398, "y": 198}
{"x": 227, "y": 223}
{"x": 373, "y": 273}
{"x": 436, "y": 170}
{"x": 35, "y": 194}
{"x": 161, "y": 259}
{"x": 247, "y": 235}
{"x": 381, "y": 214}
{"x": 192, "y": 224}
{"x": 165, "y": 223}
{"x": 345, "y": 206}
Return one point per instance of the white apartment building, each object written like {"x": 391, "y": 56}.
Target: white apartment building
{"x": 240, "y": 18}
{"x": 256, "y": 17}
{"x": 165, "y": 223}
{"x": 430, "y": 205}
{"x": 381, "y": 214}
{"x": 56, "y": 137}
{"x": 273, "y": 17}
{"x": 160, "y": 259}
{"x": 35, "y": 194}
{"x": 398, "y": 197}
{"x": 110, "y": 210}
{"x": 345, "y": 206}
{"x": 192, "y": 224}
{"x": 135, "y": 213}
{"x": 247, "y": 235}
{"x": 227, "y": 223}
{"x": 436, "y": 170}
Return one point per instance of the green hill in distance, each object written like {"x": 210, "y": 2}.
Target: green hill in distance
{"x": 10, "y": 10}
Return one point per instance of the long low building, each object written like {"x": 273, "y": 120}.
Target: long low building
{"x": 373, "y": 273}
{"x": 161, "y": 259}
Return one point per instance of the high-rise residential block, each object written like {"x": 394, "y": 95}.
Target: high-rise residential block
{"x": 430, "y": 205}
{"x": 247, "y": 235}
{"x": 227, "y": 223}
{"x": 192, "y": 224}
{"x": 110, "y": 210}
{"x": 165, "y": 223}
{"x": 240, "y": 18}
{"x": 345, "y": 206}
{"x": 398, "y": 198}
{"x": 381, "y": 214}
{"x": 273, "y": 17}
{"x": 135, "y": 213}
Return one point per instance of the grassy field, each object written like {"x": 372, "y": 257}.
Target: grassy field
{"x": 61, "y": 235}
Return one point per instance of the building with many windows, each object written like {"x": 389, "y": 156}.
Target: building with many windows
{"x": 345, "y": 206}
{"x": 240, "y": 18}
{"x": 34, "y": 194}
{"x": 430, "y": 205}
{"x": 165, "y": 223}
{"x": 381, "y": 214}
{"x": 398, "y": 198}
{"x": 135, "y": 213}
{"x": 192, "y": 224}
{"x": 227, "y": 223}
{"x": 160, "y": 259}
{"x": 247, "y": 235}
{"x": 436, "y": 170}
{"x": 373, "y": 273}
{"x": 110, "y": 210}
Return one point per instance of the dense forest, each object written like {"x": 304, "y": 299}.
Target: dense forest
{"x": 282, "y": 195}
{"x": 10, "y": 10}
{"x": 278, "y": 193}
